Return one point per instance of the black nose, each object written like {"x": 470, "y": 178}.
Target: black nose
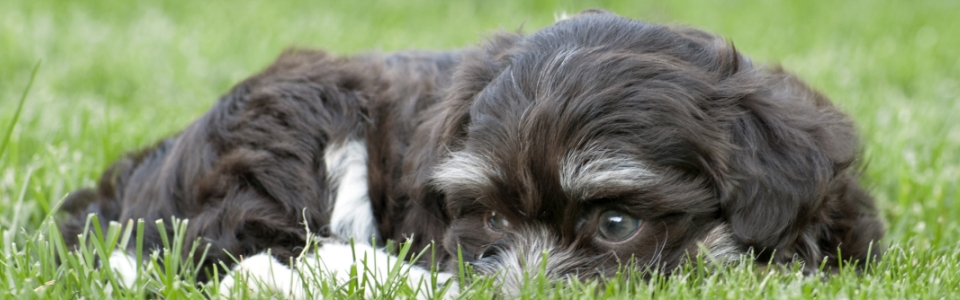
{"x": 494, "y": 248}
{"x": 491, "y": 251}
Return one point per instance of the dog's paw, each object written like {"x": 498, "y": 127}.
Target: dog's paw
{"x": 263, "y": 273}
{"x": 340, "y": 262}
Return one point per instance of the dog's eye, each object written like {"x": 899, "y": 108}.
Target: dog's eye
{"x": 617, "y": 226}
{"x": 496, "y": 222}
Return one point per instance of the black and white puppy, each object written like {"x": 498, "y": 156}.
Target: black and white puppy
{"x": 599, "y": 139}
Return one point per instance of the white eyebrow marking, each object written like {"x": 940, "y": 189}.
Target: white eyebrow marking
{"x": 466, "y": 171}
{"x": 584, "y": 174}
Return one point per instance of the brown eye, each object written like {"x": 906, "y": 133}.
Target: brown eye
{"x": 496, "y": 222}
{"x": 616, "y": 226}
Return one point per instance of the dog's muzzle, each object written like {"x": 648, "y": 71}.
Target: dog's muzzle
{"x": 524, "y": 253}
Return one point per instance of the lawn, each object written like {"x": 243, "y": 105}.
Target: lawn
{"x": 116, "y": 75}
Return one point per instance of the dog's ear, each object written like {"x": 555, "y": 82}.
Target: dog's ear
{"x": 445, "y": 124}
{"x": 442, "y": 129}
{"x": 477, "y": 69}
{"x": 788, "y": 146}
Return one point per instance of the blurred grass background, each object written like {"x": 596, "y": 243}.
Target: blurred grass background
{"x": 117, "y": 75}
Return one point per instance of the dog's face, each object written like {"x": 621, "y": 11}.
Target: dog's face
{"x": 602, "y": 139}
{"x": 592, "y": 153}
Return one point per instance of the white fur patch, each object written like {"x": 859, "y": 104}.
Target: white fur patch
{"x": 465, "y": 170}
{"x": 331, "y": 261}
{"x": 583, "y": 174}
{"x": 352, "y": 216}
{"x": 124, "y": 266}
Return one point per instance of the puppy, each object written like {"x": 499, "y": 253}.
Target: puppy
{"x": 600, "y": 140}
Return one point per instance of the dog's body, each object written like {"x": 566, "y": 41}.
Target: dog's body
{"x": 597, "y": 139}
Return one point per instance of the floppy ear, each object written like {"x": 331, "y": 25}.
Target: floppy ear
{"x": 445, "y": 124}
{"x": 441, "y": 130}
{"x": 477, "y": 69}
{"x": 789, "y": 146}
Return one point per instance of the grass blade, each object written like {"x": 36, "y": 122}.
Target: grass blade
{"x": 16, "y": 115}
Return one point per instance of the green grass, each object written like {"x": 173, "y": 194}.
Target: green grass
{"x": 117, "y": 75}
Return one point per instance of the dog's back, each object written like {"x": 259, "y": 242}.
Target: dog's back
{"x": 263, "y": 165}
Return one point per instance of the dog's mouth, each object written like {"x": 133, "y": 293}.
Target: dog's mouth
{"x": 532, "y": 253}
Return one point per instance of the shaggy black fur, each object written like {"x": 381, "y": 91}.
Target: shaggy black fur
{"x": 749, "y": 151}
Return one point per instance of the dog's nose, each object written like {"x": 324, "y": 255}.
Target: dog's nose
{"x": 494, "y": 248}
{"x": 489, "y": 252}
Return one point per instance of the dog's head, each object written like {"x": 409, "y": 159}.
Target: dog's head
{"x": 602, "y": 139}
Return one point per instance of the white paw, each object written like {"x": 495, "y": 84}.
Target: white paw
{"x": 264, "y": 273}
{"x": 124, "y": 266}
{"x": 335, "y": 261}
